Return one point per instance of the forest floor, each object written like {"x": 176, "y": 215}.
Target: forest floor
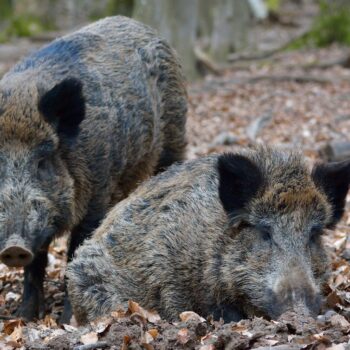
{"x": 293, "y": 100}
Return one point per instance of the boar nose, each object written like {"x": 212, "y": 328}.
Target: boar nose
{"x": 296, "y": 290}
{"x": 16, "y": 256}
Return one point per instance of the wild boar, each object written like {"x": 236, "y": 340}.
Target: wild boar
{"x": 238, "y": 233}
{"x": 82, "y": 122}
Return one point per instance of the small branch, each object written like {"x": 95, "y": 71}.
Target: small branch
{"x": 206, "y": 61}
{"x": 343, "y": 62}
{"x": 296, "y": 78}
{"x": 99, "y": 344}
{"x": 235, "y": 57}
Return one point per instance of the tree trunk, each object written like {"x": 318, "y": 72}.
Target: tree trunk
{"x": 231, "y": 19}
{"x": 61, "y": 14}
{"x": 176, "y": 21}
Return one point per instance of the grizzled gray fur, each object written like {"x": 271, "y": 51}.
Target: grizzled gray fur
{"x": 82, "y": 122}
{"x": 231, "y": 235}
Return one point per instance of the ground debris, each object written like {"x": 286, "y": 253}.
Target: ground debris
{"x": 226, "y": 112}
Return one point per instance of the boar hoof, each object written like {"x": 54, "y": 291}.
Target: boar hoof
{"x": 33, "y": 308}
{"x": 67, "y": 312}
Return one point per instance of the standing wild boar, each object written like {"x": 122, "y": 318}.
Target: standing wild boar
{"x": 82, "y": 122}
{"x": 238, "y": 232}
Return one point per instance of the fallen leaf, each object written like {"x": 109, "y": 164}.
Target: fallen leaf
{"x": 9, "y": 326}
{"x": 190, "y": 315}
{"x": 339, "y": 320}
{"x": 32, "y": 334}
{"x": 118, "y": 313}
{"x": 12, "y": 296}
{"x": 333, "y": 299}
{"x": 151, "y": 315}
{"x": 153, "y": 332}
{"x": 101, "y": 325}
{"x": 49, "y": 322}
{"x": 69, "y": 328}
{"x": 126, "y": 342}
{"x": 89, "y": 338}
{"x": 17, "y": 334}
{"x": 182, "y": 336}
{"x": 207, "y": 347}
{"x": 146, "y": 338}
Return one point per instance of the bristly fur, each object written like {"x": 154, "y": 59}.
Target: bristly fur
{"x": 173, "y": 246}
{"x": 83, "y": 121}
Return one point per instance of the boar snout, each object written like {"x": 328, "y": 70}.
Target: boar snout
{"x": 295, "y": 290}
{"x": 16, "y": 254}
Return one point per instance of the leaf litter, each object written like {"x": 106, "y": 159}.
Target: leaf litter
{"x": 223, "y": 115}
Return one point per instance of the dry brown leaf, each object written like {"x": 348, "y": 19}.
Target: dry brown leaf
{"x": 89, "y": 338}
{"x": 148, "y": 346}
{"x": 2, "y": 300}
{"x": 190, "y": 315}
{"x": 339, "y": 320}
{"x": 9, "y": 326}
{"x": 17, "y": 334}
{"x": 146, "y": 338}
{"x": 49, "y": 322}
{"x": 333, "y": 299}
{"x": 150, "y": 315}
{"x": 153, "y": 332}
{"x": 183, "y": 336}
{"x": 126, "y": 342}
{"x": 101, "y": 325}
{"x": 11, "y": 344}
{"x": 119, "y": 313}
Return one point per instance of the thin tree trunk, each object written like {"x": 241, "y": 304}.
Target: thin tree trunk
{"x": 176, "y": 21}
{"x": 231, "y": 20}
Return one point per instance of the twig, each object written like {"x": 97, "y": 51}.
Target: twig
{"x": 206, "y": 61}
{"x": 99, "y": 344}
{"x": 296, "y": 78}
{"x": 235, "y": 57}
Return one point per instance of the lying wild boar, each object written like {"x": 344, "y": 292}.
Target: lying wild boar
{"x": 82, "y": 122}
{"x": 239, "y": 233}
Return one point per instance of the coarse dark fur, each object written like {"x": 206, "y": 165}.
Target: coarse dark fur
{"x": 238, "y": 234}
{"x": 82, "y": 122}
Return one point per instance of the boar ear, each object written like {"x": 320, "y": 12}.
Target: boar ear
{"x": 333, "y": 179}
{"x": 64, "y": 107}
{"x": 239, "y": 180}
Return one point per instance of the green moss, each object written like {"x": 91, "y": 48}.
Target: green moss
{"x": 331, "y": 26}
{"x": 22, "y": 26}
{"x": 5, "y": 9}
{"x": 273, "y": 5}
{"x": 120, "y": 7}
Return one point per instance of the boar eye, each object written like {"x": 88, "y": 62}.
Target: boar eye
{"x": 315, "y": 232}
{"x": 44, "y": 169}
{"x": 41, "y": 164}
{"x": 265, "y": 232}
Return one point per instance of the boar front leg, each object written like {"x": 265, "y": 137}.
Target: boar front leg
{"x": 33, "y": 300}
